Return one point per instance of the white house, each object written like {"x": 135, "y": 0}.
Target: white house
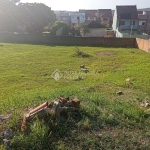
{"x": 96, "y": 29}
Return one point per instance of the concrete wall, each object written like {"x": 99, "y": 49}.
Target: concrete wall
{"x": 66, "y": 40}
{"x": 143, "y": 44}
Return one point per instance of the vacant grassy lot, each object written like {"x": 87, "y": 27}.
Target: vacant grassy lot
{"x": 105, "y": 120}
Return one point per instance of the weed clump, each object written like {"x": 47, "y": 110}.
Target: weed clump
{"x": 81, "y": 54}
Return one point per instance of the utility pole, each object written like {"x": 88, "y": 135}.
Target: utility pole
{"x": 131, "y": 23}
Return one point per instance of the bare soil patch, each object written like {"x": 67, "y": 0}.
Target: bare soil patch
{"x": 106, "y": 53}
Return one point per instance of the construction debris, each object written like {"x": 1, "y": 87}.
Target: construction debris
{"x": 79, "y": 78}
{"x": 53, "y": 108}
{"x": 83, "y": 69}
{"x": 82, "y": 66}
{"x": 145, "y": 104}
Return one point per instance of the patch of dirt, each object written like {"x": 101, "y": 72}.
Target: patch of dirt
{"x": 106, "y": 53}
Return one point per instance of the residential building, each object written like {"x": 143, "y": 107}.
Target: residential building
{"x": 125, "y": 17}
{"x": 96, "y": 29}
{"x": 144, "y": 21}
{"x": 125, "y": 22}
{"x": 105, "y": 16}
{"x": 65, "y": 16}
{"x": 89, "y": 14}
{"x": 77, "y": 18}
{"x": 57, "y": 13}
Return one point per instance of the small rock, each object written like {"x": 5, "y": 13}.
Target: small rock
{"x": 128, "y": 80}
{"x": 97, "y": 129}
{"x": 79, "y": 78}
{"x": 6, "y": 142}
{"x": 119, "y": 93}
{"x": 75, "y": 103}
{"x": 82, "y": 66}
{"x": 84, "y": 70}
{"x": 145, "y": 104}
{"x": 8, "y": 133}
{"x": 3, "y": 118}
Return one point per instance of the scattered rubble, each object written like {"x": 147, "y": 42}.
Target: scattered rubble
{"x": 8, "y": 133}
{"x": 82, "y": 66}
{"x": 145, "y": 104}
{"x": 4, "y": 118}
{"x": 83, "y": 69}
{"x": 7, "y": 142}
{"x": 79, "y": 78}
{"x": 53, "y": 108}
{"x": 5, "y": 134}
{"x": 128, "y": 80}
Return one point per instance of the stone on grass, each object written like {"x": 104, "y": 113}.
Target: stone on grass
{"x": 119, "y": 93}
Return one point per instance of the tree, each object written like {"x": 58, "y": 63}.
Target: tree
{"x": 8, "y": 15}
{"x": 83, "y": 28}
{"x": 36, "y": 16}
{"x": 60, "y": 24}
{"x": 33, "y": 16}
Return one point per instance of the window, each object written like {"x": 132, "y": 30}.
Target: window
{"x": 121, "y": 23}
{"x": 142, "y": 23}
{"x": 132, "y": 22}
{"x": 105, "y": 19}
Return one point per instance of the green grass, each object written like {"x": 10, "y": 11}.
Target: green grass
{"x": 105, "y": 120}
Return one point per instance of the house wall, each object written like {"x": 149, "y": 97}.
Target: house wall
{"x": 114, "y": 25}
{"x": 148, "y": 26}
{"x": 66, "y": 18}
{"x": 97, "y": 32}
{"x": 119, "y": 34}
{"x": 145, "y": 28}
{"x": 142, "y": 18}
{"x": 127, "y": 25}
{"x": 91, "y": 18}
{"x": 107, "y": 21}
{"x": 75, "y": 16}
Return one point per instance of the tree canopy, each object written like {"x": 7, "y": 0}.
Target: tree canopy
{"x": 82, "y": 28}
{"x": 28, "y": 17}
{"x": 60, "y": 24}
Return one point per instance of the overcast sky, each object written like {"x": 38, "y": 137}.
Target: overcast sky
{"x": 75, "y": 5}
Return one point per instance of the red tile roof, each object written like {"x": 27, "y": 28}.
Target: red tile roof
{"x": 90, "y": 13}
{"x": 105, "y": 12}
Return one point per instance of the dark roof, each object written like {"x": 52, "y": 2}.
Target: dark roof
{"x": 90, "y": 13}
{"x": 94, "y": 24}
{"x": 105, "y": 12}
{"x": 127, "y": 12}
{"x": 145, "y": 9}
{"x": 140, "y": 12}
